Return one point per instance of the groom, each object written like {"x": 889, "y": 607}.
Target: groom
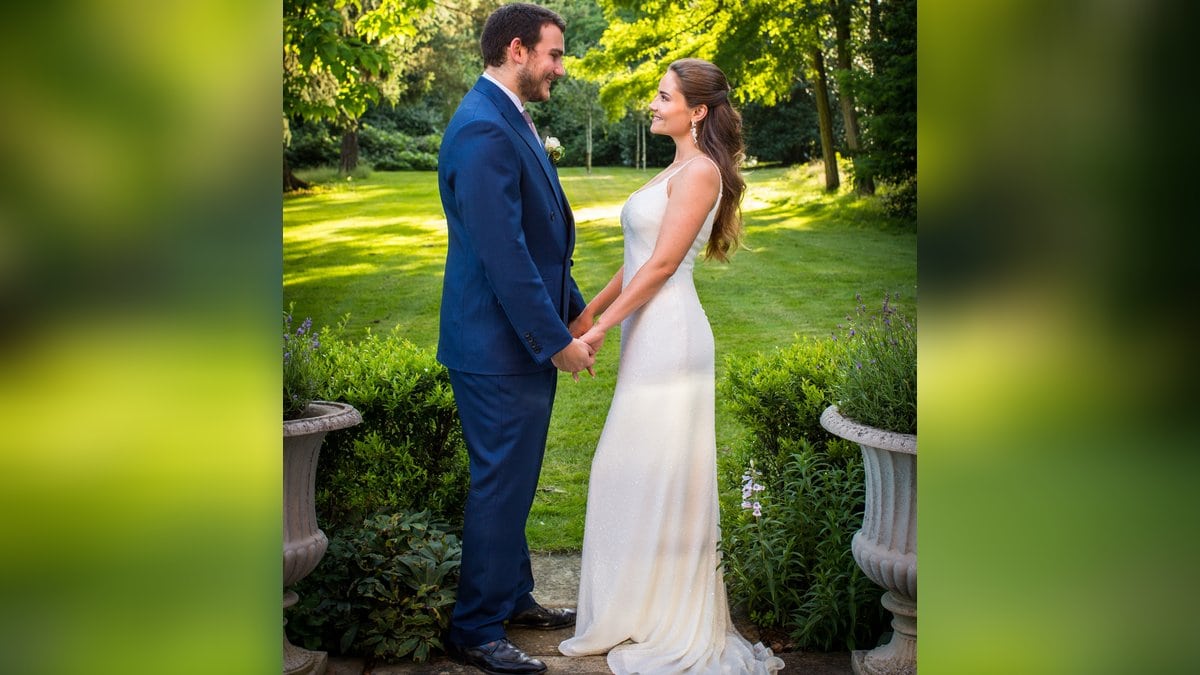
{"x": 507, "y": 302}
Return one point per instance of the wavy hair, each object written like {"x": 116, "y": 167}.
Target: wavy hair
{"x": 719, "y": 136}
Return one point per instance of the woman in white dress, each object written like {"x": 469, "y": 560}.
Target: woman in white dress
{"x": 651, "y": 592}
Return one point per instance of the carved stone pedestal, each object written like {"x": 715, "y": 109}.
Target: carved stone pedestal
{"x": 886, "y": 546}
{"x": 303, "y": 542}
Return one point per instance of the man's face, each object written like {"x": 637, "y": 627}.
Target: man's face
{"x": 543, "y": 65}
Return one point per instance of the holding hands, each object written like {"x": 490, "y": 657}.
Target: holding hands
{"x": 576, "y": 356}
{"x": 594, "y": 337}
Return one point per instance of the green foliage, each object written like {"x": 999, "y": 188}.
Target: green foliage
{"x": 312, "y": 145}
{"x": 396, "y": 151}
{"x": 900, "y": 201}
{"x": 340, "y": 55}
{"x": 384, "y": 590}
{"x": 878, "y": 382}
{"x": 779, "y": 397}
{"x": 792, "y": 566}
{"x": 890, "y": 95}
{"x": 304, "y": 369}
{"x": 786, "y": 132}
{"x": 408, "y": 453}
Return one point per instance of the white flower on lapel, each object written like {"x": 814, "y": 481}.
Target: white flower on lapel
{"x": 554, "y": 149}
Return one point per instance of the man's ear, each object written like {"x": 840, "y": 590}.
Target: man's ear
{"x": 517, "y": 51}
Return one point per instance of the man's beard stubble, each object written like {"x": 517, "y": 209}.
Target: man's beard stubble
{"x": 529, "y": 87}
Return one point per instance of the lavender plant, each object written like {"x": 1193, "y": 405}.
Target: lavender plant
{"x": 878, "y": 386}
{"x": 303, "y": 368}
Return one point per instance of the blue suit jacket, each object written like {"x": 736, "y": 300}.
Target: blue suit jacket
{"x": 507, "y": 294}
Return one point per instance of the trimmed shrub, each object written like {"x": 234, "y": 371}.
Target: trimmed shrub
{"x": 408, "y": 454}
{"x": 779, "y": 398}
{"x": 397, "y": 151}
{"x": 312, "y": 145}
{"x": 384, "y": 590}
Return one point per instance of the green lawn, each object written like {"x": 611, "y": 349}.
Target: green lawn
{"x": 373, "y": 249}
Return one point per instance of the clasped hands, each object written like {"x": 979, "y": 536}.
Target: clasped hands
{"x": 580, "y": 354}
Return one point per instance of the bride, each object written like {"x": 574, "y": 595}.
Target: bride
{"x": 652, "y": 593}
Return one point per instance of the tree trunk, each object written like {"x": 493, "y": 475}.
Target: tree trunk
{"x": 873, "y": 24}
{"x": 290, "y": 182}
{"x": 349, "y": 161}
{"x": 637, "y": 141}
{"x": 589, "y": 143}
{"x": 825, "y": 120}
{"x": 642, "y": 127}
{"x": 864, "y": 183}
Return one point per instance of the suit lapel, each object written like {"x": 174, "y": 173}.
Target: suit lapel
{"x": 513, "y": 116}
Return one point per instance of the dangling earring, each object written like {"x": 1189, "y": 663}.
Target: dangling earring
{"x": 695, "y": 138}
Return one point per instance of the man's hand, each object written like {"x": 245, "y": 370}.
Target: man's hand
{"x": 575, "y": 357}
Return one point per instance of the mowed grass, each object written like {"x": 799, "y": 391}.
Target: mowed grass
{"x": 373, "y": 249}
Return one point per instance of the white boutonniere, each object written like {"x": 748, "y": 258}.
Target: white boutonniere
{"x": 554, "y": 149}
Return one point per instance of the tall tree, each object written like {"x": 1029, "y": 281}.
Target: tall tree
{"x": 824, "y": 117}
{"x": 764, "y": 46}
{"x": 842, "y": 12}
{"x": 339, "y": 57}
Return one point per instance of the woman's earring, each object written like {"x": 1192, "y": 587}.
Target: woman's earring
{"x": 695, "y": 138}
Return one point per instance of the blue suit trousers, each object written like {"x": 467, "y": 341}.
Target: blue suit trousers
{"x": 505, "y": 420}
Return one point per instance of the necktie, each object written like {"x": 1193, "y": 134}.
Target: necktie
{"x": 529, "y": 121}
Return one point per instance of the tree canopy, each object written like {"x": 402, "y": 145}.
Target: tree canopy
{"x": 339, "y": 56}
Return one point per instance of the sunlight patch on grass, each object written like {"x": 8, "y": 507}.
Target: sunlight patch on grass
{"x": 329, "y": 273}
{"x": 605, "y": 212}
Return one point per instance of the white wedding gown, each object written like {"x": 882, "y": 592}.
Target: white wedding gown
{"x": 651, "y": 590}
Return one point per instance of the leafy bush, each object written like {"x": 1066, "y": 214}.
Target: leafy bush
{"x": 312, "y": 145}
{"x": 878, "y": 380}
{"x": 792, "y": 566}
{"x": 397, "y": 151}
{"x": 779, "y": 397}
{"x": 408, "y": 453}
{"x": 384, "y": 590}
{"x": 900, "y": 201}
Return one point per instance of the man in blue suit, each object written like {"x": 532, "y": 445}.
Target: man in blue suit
{"x": 507, "y": 321}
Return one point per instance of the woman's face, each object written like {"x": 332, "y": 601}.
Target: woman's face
{"x": 670, "y": 114}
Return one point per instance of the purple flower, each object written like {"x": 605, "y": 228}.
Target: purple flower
{"x": 757, "y": 510}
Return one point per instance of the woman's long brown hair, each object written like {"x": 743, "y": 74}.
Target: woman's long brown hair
{"x": 720, "y": 137}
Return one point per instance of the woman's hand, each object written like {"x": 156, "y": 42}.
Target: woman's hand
{"x": 581, "y": 324}
{"x": 594, "y": 337}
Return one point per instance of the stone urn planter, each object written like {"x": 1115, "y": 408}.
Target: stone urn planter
{"x": 886, "y": 546}
{"x": 303, "y": 542}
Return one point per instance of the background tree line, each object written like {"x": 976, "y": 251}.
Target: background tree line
{"x": 813, "y": 78}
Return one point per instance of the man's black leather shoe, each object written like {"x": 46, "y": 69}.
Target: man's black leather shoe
{"x": 500, "y": 657}
{"x": 542, "y": 618}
